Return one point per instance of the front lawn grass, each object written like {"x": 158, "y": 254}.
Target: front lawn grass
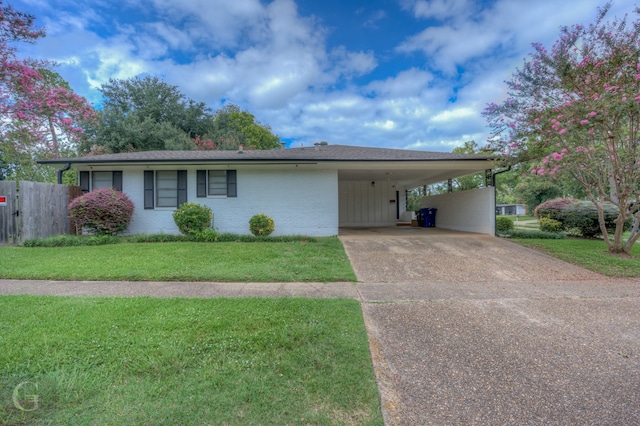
{"x": 320, "y": 260}
{"x": 590, "y": 254}
{"x": 147, "y": 361}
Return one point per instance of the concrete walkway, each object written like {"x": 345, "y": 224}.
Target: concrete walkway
{"x": 464, "y": 328}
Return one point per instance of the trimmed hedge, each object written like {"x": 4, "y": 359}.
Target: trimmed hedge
{"x": 539, "y": 235}
{"x": 575, "y": 214}
{"x": 504, "y": 224}
{"x": 550, "y": 225}
{"x": 261, "y": 225}
{"x": 192, "y": 218}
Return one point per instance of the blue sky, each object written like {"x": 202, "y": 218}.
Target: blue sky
{"x": 410, "y": 74}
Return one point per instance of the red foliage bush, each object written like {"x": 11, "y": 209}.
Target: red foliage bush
{"x": 553, "y": 209}
{"x": 102, "y": 212}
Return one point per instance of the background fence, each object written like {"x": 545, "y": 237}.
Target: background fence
{"x": 36, "y": 210}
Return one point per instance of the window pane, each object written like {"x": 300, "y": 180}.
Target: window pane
{"x": 167, "y": 188}
{"x": 102, "y": 180}
{"x": 217, "y": 182}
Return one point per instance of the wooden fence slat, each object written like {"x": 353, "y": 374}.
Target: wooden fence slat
{"x": 43, "y": 209}
{"x": 7, "y": 213}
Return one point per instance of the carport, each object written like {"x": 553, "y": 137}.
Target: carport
{"x": 373, "y": 188}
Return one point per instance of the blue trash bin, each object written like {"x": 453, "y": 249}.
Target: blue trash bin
{"x": 430, "y": 218}
{"x": 423, "y": 215}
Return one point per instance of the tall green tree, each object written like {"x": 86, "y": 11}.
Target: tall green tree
{"x": 233, "y": 126}
{"x": 473, "y": 181}
{"x": 141, "y": 114}
{"x": 575, "y": 110}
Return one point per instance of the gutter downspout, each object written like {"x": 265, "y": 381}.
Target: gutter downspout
{"x": 61, "y": 171}
{"x": 493, "y": 183}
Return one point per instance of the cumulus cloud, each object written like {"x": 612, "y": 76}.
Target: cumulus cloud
{"x": 293, "y": 73}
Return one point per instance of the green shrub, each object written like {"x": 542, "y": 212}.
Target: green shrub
{"x": 504, "y": 224}
{"x": 578, "y": 217}
{"x": 550, "y": 225}
{"x": 192, "y": 218}
{"x": 261, "y": 225}
{"x": 102, "y": 212}
{"x": 584, "y": 216}
{"x": 205, "y": 236}
{"x": 156, "y": 238}
{"x": 72, "y": 241}
{"x": 541, "y": 235}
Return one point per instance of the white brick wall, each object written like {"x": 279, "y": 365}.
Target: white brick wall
{"x": 301, "y": 202}
{"x": 469, "y": 211}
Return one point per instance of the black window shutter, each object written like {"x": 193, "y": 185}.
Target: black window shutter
{"x": 148, "y": 189}
{"x": 117, "y": 181}
{"x": 84, "y": 182}
{"x": 182, "y": 187}
{"x": 232, "y": 184}
{"x": 201, "y": 182}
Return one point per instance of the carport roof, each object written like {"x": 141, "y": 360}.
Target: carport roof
{"x": 321, "y": 153}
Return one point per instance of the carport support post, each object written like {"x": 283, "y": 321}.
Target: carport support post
{"x": 489, "y": 178}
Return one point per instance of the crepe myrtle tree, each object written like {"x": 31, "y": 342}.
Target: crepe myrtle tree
{"x": 575, "y": 110}
{"x": 40, "y": 116}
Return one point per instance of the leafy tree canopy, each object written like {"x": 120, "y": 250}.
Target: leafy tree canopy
{"x": 574, "y": 111}
{"x": 145, "y": 113}
{"x": 232, "y": 127}
{"x": 40, "y": 116}
{"x": 141, "y": 114}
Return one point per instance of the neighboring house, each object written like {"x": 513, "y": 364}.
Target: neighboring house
{"x": 307, "y": 191}
{"x": 511, "y": 209}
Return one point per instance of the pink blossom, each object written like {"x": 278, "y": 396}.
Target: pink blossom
{"x": 541, "y": 171}
{"x": 584, "y": 122}
{"x": 562, "y": 132}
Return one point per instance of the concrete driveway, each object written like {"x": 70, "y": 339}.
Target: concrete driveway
{"x": 475, "y": 330}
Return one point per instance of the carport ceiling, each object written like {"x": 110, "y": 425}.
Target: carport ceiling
{"x": 411, "y": 174}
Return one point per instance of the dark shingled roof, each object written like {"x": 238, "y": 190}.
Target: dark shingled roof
{"x": 311, "y": 153}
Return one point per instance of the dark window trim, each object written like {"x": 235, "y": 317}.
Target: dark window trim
{"x": 150, "y": 188}
{"x": 203, "y": 189}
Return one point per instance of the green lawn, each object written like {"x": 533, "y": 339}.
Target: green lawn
{"x": 146, "y": 361}
{"x": 590, "y": 254}
{"x": 320, "y": 260}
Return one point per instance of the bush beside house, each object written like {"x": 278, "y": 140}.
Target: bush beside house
{"x": 102, "y": 212}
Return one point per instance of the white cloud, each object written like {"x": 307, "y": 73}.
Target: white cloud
{"x": 443, "y": 9}
{"x": 411, "y": 82}
{"x": 288, "y": 70}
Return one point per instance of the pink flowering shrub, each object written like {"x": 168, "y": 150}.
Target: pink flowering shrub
{"x": 102, "y": 212}
{"x": 552, "y": 209}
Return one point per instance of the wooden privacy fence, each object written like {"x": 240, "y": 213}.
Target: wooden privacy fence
{"x": 36, "y": 210}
